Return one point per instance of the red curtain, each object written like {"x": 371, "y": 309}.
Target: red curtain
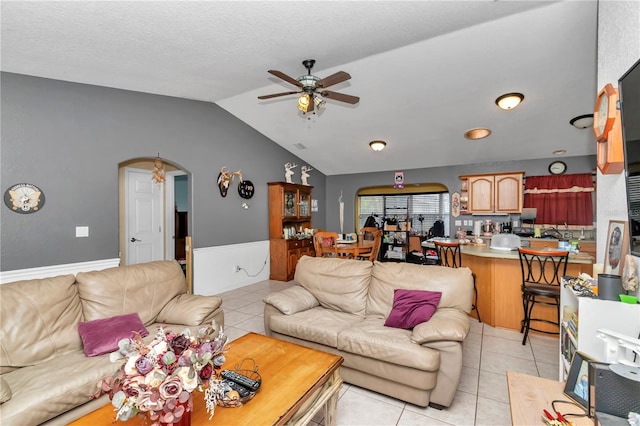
{"x": 560, "y": 199}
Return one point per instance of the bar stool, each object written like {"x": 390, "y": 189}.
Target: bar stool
{"x": 542, "y": 271}
{"x": 449, "y": 255}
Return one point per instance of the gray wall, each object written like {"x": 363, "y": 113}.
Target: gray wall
{"x": 448, "y": 176}
{"x": 69, "y": 138}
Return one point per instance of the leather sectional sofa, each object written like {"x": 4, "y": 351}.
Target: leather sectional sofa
{"x": 341, "y": 306}
{"x": 45, "y": 376}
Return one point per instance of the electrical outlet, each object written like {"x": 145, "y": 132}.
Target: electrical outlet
{"x": 237, "y": 268}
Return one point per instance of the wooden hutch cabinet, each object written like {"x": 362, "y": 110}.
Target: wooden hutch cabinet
{"x": 494, "y": 193}
{"x": 289, "y": 215}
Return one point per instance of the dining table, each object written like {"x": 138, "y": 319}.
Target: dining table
{"x": 351, "y": 249}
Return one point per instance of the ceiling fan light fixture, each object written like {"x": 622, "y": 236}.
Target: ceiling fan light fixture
{"x": 377, "y": 145}
{"x": 477, "y": 133}
{"x": 509, "y": 100}
{"x": 303, "y": 102}
{"x": 319, "y": 101}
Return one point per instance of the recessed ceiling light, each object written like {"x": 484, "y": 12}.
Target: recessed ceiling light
{"x": 582, "y": 121}
{"x": 377, "y": 145}
{"x": 509, "y": 100}
{"x": 559, "y": 151}
{"x": 477, "y": 133}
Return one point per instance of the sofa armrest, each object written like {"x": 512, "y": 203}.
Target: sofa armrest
{"x": 445, "y": 324}
{"x": 292, "y": 300}
{"x": 5, "y": 391}
{"x": 190, "y": 309}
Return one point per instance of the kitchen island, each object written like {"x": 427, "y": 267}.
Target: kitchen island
{"x": 499, "y": 279}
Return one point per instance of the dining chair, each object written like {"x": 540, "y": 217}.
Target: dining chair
{"x": 449, "y": 255}
{"x": 368, "y": 232}
{"x": 542, "y": 271}
{"x": 375, "y": 248}
{"x": 325, "y": 244}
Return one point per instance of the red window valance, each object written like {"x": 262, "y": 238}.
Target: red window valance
{"x": 561, "y": 199}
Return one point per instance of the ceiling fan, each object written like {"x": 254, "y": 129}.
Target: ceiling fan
{"x": 312, "y": 88}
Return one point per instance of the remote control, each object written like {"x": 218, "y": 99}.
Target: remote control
{"x": 242, "y": 391}
{"x": 240, "y": 379}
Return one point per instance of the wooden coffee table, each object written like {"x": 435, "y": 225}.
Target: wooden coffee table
{"x": 296, "y": 383}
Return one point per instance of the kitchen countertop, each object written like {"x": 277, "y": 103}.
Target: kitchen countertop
{"x": 485, "y": 251}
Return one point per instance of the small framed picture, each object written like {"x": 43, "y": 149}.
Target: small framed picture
{"x": 617, "y": 247}
{"x": 577, "y": 385}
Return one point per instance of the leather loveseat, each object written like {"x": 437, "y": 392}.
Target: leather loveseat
{"x": 340, "y": 306}
{"x": 45, "y": 376}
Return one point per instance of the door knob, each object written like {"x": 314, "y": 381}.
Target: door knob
{"x": 133, "y": 240}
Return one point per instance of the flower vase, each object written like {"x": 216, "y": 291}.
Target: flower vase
{"x": 185, "y": 419}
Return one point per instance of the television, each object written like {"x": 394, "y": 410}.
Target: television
{"x": 629, "y": 92}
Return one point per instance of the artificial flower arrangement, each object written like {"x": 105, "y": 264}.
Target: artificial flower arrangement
{"x": 158, "y": 378}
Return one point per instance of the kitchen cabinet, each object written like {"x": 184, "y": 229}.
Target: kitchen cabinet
{"x": 289, "y": 216}
{"x": 581, "y": 317}
{"x": 493, "y": 193}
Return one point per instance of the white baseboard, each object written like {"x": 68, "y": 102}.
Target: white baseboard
{"x": 214, "y": 267}
{"x": 55, "y": 270}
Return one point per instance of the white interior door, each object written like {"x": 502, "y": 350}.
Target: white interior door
{"x": 144, "y": 218}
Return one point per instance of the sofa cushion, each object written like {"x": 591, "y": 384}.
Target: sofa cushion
{"x": 338, "y": 284}
{"x": 5, "y": 391}
{"x": 448, "y": 324}
{"x": 455, "y": 284}
{"x": 102, "y": 336}
{"x": 318, "y": 325}
{"x": 411, "y": 307}
{"x": 370, "y": 338}
{"x": 43, "y": 391}
{"x": 144, "y": 288}
{"x": 38, "y": 320}
{"x": 190, "y": 309}
{"x": 291, "y": 300}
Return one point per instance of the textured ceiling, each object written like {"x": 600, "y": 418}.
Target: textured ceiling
{"x": 425, "y": 71}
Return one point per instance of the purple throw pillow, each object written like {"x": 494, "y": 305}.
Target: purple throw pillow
{"x": 102, "y": 336}
{"x": 412, "y": 307}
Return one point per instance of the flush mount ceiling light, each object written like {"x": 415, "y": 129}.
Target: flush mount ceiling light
{"x": 582, "y": 121}
{"x": 478, "y": 133}
{"x": 509, "y": 100}
{"x": 377, "y": 145}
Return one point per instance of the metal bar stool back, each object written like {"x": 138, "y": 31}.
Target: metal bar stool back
{"x": 449, "y": 255}
{"x": 542, "y": 272}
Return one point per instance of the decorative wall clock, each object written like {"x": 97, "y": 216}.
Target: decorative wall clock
{"x": 24, "y": 198}
{"x": 608, "y": 132}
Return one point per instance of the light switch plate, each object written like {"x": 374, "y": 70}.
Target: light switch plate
{"x": 82, "y": 231}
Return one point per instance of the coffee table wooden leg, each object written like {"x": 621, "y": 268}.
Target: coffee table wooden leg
{"x": 330, "y": 410}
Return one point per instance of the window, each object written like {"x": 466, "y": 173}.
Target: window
{"x": 421, "y": 205}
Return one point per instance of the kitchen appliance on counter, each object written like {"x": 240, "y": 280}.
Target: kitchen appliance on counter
{"x": 487, "y": 228}
{"x": 506, "y": 242}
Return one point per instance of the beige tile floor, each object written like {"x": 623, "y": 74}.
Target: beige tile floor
{"x": 482, "y": 397}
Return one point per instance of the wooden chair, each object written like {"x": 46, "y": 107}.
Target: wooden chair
{"x": 449, "y": 255}
{"x": 368, "y": 232}
{"x": 324, "y": 243}
{"x": 377, "y": 242}
{"x": 542, "y": 272}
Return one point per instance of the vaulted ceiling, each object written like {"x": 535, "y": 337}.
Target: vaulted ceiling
{"x": 425, "y": 71}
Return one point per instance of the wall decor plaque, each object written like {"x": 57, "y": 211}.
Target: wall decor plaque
{"x": 24, "y": 198}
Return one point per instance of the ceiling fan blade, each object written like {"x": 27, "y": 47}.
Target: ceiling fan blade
{"x": 336, "y": 78}
{"x": 340, "y": 97}
{"x": 311, "y": 104}
{"x": 275, "y": 95}
{"x": 285, "y": 77}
